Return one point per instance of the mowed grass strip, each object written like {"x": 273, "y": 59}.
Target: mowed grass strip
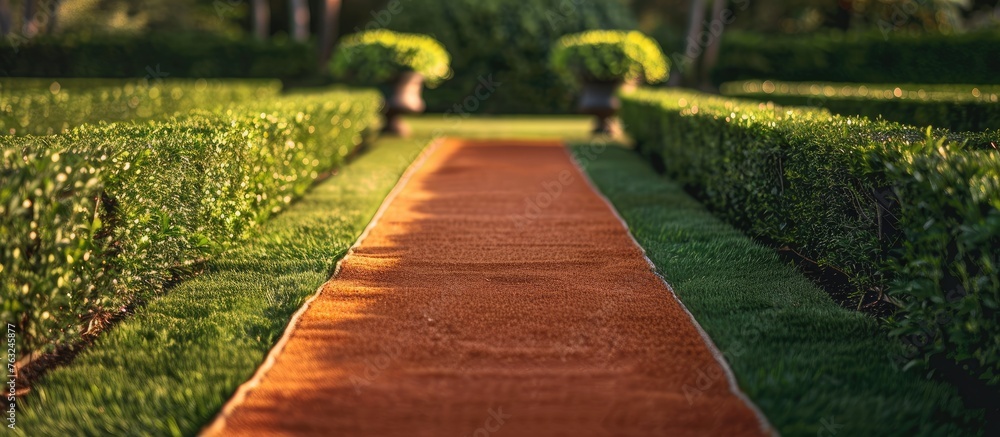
{"x": 813, "y": 367}
{"x": 168, "y": 368}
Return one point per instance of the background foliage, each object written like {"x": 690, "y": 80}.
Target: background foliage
{"x": 156, "y": 56}
{"x": 885, "y": 41}
{"x": 971, "y": 58}
{"x": 507, "y": 41}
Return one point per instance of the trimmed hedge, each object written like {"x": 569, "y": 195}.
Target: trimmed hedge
{"x": 948, "y": 267}
{"x": 49, "y": 224}
{"x": 955, "y": 107}
{"x": 157, "y": 56}
{"x": 46, "y": 107}
{"x": 861, "y": 57}
{"x": 852, "y": 194}
{"x": 504, "y": 43}
{"x": 98, "y": 217}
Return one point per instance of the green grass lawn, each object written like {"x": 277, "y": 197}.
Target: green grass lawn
{"x": 575, "y": 127}
{"x": 168, "y": 368}
{"x": 811, "y": 366}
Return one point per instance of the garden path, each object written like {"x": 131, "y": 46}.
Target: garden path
{"x": 496, "y": 293}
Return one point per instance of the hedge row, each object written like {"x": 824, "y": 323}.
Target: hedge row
{"x": 102, "y": 215}
{"x": 955, "y": 107}
{"x": 156, "y": 56}
{"x": 914, "y": 214}
{"x": 894, "y": 57}
{"x": 46, "y": 107}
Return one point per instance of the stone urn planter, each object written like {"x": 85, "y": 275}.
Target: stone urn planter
{"x": 600, "y": 99}
{"x": 605, "y": 63}
{"x": 402, "y": 97}
{"x": 400, "y": 64}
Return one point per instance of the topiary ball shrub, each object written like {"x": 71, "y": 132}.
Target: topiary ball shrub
{"x": 380, "y": 56}
{"x": 609, "y": 56}
{"x": 499, "y": 49}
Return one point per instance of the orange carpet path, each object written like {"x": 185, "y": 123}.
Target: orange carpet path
{"x": 497, "y": 295}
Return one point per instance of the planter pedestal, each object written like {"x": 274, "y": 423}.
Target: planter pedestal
{"x": 600, "y": 99}
{"x": 402, "y": 97}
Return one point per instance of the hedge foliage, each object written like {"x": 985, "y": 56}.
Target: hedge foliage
{"x": 375, "y": 57}
{"x": 609, "y": 55}
{"x": 505, "y": 43}
{"x": 46, "y": 107}
{"x": 864, "y": 197}
{"x": 49, "y": 225}
{"x": 104, "y": 214}
{"x": 156, "y": 56}
{"x": 895, "y": 57}
{"x": 948, "y": 266}
{"x": 955, "y": 107}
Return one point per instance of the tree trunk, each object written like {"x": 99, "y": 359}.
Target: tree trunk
{"x": 692, "y": 50}
{"x": 4, "y": 17}
{"x": 711, "y": 56}
{"x": 841, "y": 17}
{"x": 329, "y": 32}
{"x": 300, "y": 19}
{"x": 261, "y": 19}
{"x": 50, "y": 25}
{"x": 30, "y": 27}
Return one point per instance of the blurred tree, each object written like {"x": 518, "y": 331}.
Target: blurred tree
{"x": 692, "y": 66}
{"x": 90, "y": 17}
{"x": 944, "y": 16}
{"x": 652, "y": 14}
{"x": 692, "y": 50}
{"x": 355, "y": 15}
{"x": 329, "y": 30}
{"x": 29, "y": 26}
{"x": 5, "y": 21}
{"x": 664, "y": 18}
{"x": 261, "y": 19}
{"x": 102, "y": 16}
{"x": 53, "y": 14}
{"x": 695, "y": 53}
{"x": 983, "y": 14}
{"x": 720, "y": 18}
{"x": 299, "y": 14}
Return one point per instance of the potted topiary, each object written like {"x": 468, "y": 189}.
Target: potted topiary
{"x": 606, "y": 62}
{"x": 399, "y": 64}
